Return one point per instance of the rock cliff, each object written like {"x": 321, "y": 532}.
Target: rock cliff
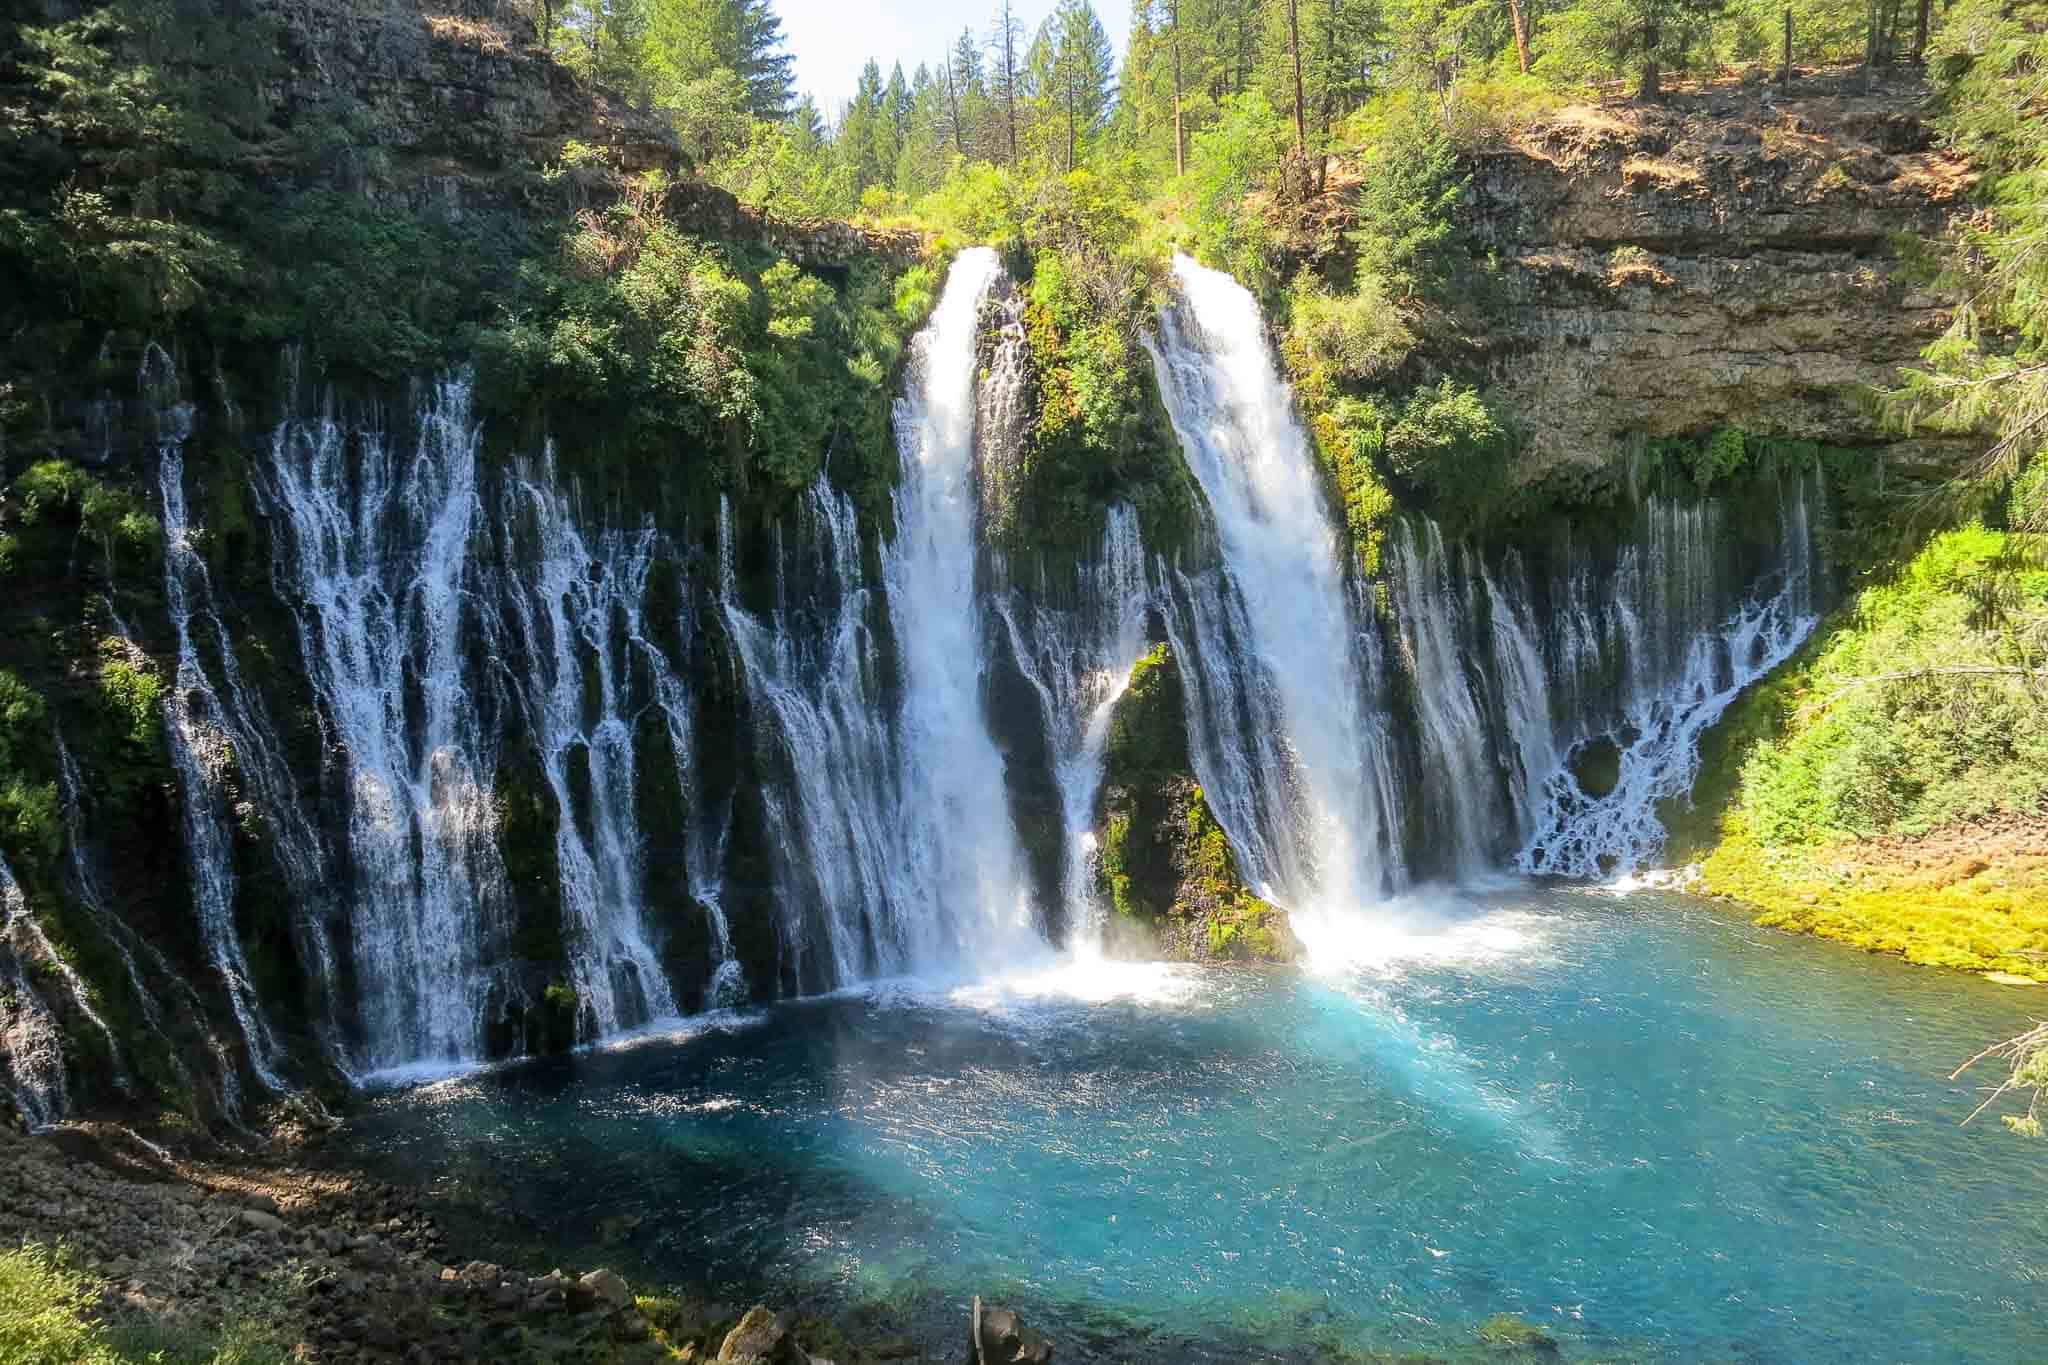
{"x": 1729, "y": 258}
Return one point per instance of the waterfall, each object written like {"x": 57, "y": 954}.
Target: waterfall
{"x": 813, "y": 668}
{"x": 576, "y": 611}
{"x": 29, "y": 1037}
{"x": 1078, "y": 655}
{"x": 963, "y": 855}
{"x": 1523, "y": 687}
{"x": 1434, "y": 617}
{"x": 1275, "y": 692}
{"x": 709, "y": 820}
{"x": 200, "y": 732}
{"x": 1687, "y": 654}
{"x": 373, "y": 554}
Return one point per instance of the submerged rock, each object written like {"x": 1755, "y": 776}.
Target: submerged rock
{"x": 1508, "y": 1332}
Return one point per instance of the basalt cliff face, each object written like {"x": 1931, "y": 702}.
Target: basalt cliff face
{"x": 1729, "y": 259}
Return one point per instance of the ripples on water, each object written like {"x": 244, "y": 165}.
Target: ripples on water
{"x": 1660, "y": 1132}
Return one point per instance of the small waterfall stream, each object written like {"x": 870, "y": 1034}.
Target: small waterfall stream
{"x": 1077, "y": 651}
{"x": 813, "y": 669}
{"x": 29, "y": 1036}
{"x": 200, "y": 733}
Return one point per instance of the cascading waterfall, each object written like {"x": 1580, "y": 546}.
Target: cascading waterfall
{"x": 1688, "y": 656}
{"x": 576, "y": 609}
{"x": 813, "y": 670}
{"x": 1524, "y": 693}
{"x": 963, "y": 853}
{"x": 373, "y": 553}
{"x": 709, "y": 819}
{"x": 199, "y": 730}
{"x": 1078, "y": 656}
{"x": 1274, "y": 687}
{"x": 1434, "y": 614}
{"x": 29, "y": 1036}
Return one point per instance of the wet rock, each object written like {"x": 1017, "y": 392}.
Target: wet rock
{"x": 1005, "y": 1340}
{"x": 761, "y": 1338}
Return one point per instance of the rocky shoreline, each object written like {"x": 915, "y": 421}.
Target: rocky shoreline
{"x": 328, "y": 1266}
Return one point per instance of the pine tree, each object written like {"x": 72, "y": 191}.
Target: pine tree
{"x": 1008, "y": 76}
{"x": 762, "y": 61}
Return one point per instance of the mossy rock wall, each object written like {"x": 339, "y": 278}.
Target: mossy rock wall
{"x": 1166, "y": 866}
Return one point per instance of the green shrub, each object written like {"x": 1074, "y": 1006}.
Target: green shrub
{"x": 1917, "y": 711}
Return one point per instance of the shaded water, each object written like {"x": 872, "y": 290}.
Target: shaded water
{"x": 1658, "y": 1131}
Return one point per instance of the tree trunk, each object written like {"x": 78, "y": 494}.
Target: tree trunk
{"x": 1521, "y": 23}
{"x": 1070, "y": 126}
{"x": 953, "y": 103}
{"x": 1180, "y": 143}
{"x": 1787, "y": 81}
{"x": 1329, "y": 99}
{"x": 1300, "y": 111}
{"x": 1652, "y": 87}
{"x": 1920, "y": 30}
{"x": 1010, "y": 79}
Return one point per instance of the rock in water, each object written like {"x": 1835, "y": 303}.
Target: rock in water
{"x": 1005, "y": 1340}
{"x": 762, "y": 1338}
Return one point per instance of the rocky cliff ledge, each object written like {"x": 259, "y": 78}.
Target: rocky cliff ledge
{"x": 1729, "y": 258}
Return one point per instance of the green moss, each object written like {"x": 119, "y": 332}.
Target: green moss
{"x": 1946, "y": 910}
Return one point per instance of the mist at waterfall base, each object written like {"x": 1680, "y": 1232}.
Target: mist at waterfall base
{"x": 1655, "y": 1131}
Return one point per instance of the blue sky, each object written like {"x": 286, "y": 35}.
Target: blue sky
{"x": 832, "y": 38}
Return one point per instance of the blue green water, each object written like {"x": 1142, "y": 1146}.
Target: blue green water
{"x": 1657, "y": 1131}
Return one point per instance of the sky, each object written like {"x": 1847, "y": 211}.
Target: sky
{"x": 831, "y": 39}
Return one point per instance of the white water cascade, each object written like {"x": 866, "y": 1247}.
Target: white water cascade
{"x": 199, "y": 733}
{"x": 373, "y": 555}
{"x": 576, "y": 610}
{"x": 972, "y": 892}
{"x": 813, "y": 667}
{"x": 1687, "y": 657}
{"x": 1077, "y": 652}
{"x": 31, "y": 1043}
{"x": 1292, "y": 766}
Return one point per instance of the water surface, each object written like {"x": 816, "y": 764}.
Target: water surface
{"x": 1660, "y": 1132}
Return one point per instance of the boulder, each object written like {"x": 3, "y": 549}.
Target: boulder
{"x": 761, "y": 1338}
{"x": 1005, "y": 1340}
{"x": 607, "y": 1287}
{"x": 261, "y": 1221}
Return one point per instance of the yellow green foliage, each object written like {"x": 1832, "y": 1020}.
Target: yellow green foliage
{"x": 1970, "y": 913}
